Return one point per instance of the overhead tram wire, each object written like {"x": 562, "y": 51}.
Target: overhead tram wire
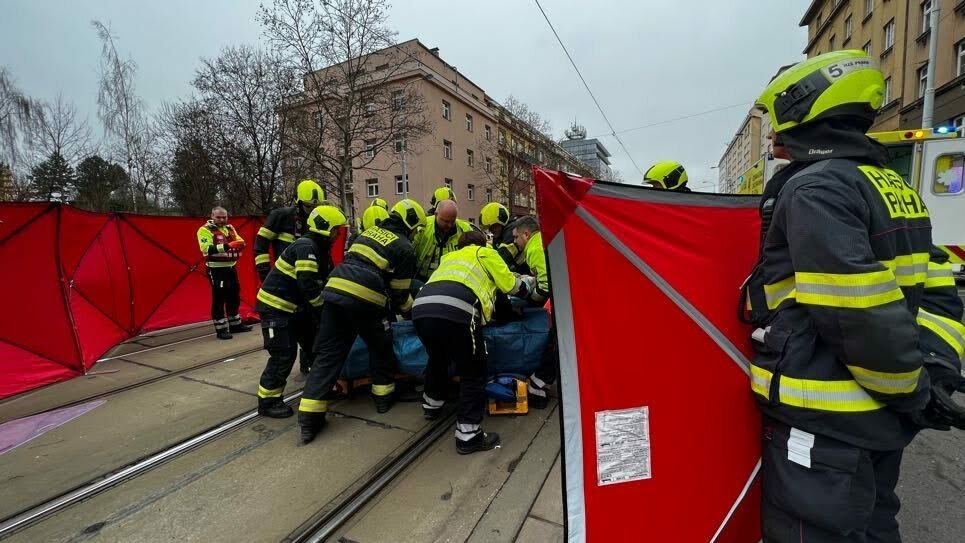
{"x": 613, "y": 131}
{"x": 681, "y": 118}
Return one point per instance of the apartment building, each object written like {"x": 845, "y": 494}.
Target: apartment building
{"x": 744, "y": 150}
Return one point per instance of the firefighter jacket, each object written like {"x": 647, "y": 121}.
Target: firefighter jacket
{"x": 851, "y": 299}
{"x": 481, "y": 271}
{"x": 214, "y": 241}
{"x": 430, "y": 245}
{"x": 377, "y": 270}
{"x": 295, "y": 283}
{"x": 512, "y": 256}
{"x": 283, "y": 226}
{"x": 535, "y": 262}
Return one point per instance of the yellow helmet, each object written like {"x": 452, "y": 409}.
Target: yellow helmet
{"x": 411, "y": 213}
{"x": 493, "y": 213}
{"x": 379, "y": 202}
{"x": 373, "y": 216}
{"x": 310, "y": 192}
{"x": 668, "y": 174}
{"x": 325, "y": 218}
{"x": 836, "y": 83}
{"x": 440, "y": 194}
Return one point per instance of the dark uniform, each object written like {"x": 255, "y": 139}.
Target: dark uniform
{"x": 362, "y": 292}
{"x": 852, "y": 302}
{"x": 289, "y": 301}
{"x": 220, "y": 261}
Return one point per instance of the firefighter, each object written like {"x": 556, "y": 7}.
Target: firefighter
{"x": 363, "y": 292}
{"x": 448, "y": 315}
{"x": 668, "y": 174}
{"x": 377, "y": 203}
{"x": 289, "y": 302}
{"x": 439, "y": 195}
{"x": 283, "y": 226}
{"x": 439, "y": 237}
{"x": 495, "y": 218}
{"x": 373, "y": 216}
{"x": 529, "y": 242}
{"x": 859, "y": 335}
{"x": 221, "y": 246}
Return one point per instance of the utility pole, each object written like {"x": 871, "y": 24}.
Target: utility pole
{"x": 928, "y": 105}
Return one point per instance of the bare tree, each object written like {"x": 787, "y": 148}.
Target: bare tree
{"x": 354, "y": 102}
{"x": 120, "y": 109}
{"x": 523, "y": 112}
{"x": 60, "y": 130}
{"x": 17, "y": 113}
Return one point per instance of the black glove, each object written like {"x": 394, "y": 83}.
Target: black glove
{"x": 941, "y": 412}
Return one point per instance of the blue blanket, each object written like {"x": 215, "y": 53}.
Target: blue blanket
{"x": 515, "y": 347}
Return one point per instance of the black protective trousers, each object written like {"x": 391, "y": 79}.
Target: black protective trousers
{"x": 225, "y": 293}
{"x": 451, "y": 344}
{"x": 549, "y": 362}
{"x": 821, "y": 490}
{"x": 337, "y": 330}
{"x": 282, "y": 333}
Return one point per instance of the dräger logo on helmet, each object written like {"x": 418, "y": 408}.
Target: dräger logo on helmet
{"x": 820, "y": 151}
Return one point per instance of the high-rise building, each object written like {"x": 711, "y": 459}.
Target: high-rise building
{"x": 589, "y": 151}
{"x": 744, "y": 150}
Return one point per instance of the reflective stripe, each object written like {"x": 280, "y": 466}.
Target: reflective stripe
{"x": 357, "y": 290}
{"x": 429, "y": 402}
{"x": 317, "y": 301}
{"x": 951, "y": 331}
{"x": 273, "y": 393}
{"x": 313, "y": 406}
{"x": 465, "y": 432}
{"x": 266, "y": 233}
{"x": 886, "y": 382}
{"x": 306, "y": 265}
{"x": 939, "y": 275}
{"x": 371, "y": 254}
{"x": 263, "y": 259}
{"x": 286, "y": 268}
{"x": 777, "y": 293}
{"x": 383, "y": 390}
{"x": 286, "y": 237}
{"x": 407, "y": 305}
{"x": 220, "y": 264}
{"x": 909, "y": 270}
{"x": 851, "y": 290}
{"x": 839, "y": 396}
{"x": 400, "y": 284}
{"x": 276, "y": 302}
{"x": 445, "y": 300}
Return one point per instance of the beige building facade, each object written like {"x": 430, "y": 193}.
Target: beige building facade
{"x": 744, "y": 150}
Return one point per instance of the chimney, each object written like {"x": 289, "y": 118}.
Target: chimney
{"x": 434, "y": 51}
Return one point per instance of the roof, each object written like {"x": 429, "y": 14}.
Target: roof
{"x": 811, "y": 12}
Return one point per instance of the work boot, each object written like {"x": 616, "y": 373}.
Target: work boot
{"x": 224, "y": 334}
{"x": 310, "y": 425}
{"x": 274, "y": 408}
{"x": 431, "y": 413}
{"x": 383, "y": 403}
{"x": 482, "y": 442}
{"x": 537, "y": 396}
{"x": 238, "y": 328}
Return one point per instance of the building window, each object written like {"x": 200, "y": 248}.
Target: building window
{"x": 446, "y": 111}
{"x": 922, "y": 80}
{"x": 925, "y": 11}
{"x": 889, "y": 36}
{"x": 959, "y": 124}
{"x": 470, "y": 159}
{"x": 468, "y": 122}
{"x": 502, "y": 166}
{"x": 447, "y": 149}
{"x": 867, "y": 48}
{"x": 399, "y": 187}
{"x": 489, "y": 195}
{"x": 887, "y": 97}
{"x": 471, "y": 189}
{"x": 502, "y": 136}
{"x": 489, "y": 165}
{"x": 369, "y": 109}
{"x": 489, "y": 133}
{"x": 869, "y": 6}
{"x": 372, "y": 187}
{"x": 960, "y": 58}
{"x": 370, "y": 148}
{"x": 519, "y": 200}
{"x": 400, "y": 143}
{"x": 398, "y": 100}
{"x": 448, "y": 183}
{"x": 848, "y": 28}
{"x": 819, "y": 19}
{"x": 831, "y": 42}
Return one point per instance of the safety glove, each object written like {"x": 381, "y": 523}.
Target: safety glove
{"x": 237, "y": 244}
{"x": 942, "y": 412}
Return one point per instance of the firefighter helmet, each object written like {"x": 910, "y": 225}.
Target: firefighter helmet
{"x": 440, "y": 194}
{"x": 310, "y": 192}
{"x": 325, "y": 218}
{"x": 379, "y": 202}
{"x": 836, "y": 83}
{"x": 493, "y": 213}
{"x": 373, "y": 216}
{"x": 668, "y": 174}
{"x": 411, "y": 213}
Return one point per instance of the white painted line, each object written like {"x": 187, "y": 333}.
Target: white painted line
{"x": 153, "y": 348}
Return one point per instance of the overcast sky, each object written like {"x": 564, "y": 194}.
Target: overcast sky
{"x": 646, "y": 60}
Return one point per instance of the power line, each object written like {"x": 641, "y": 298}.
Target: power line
{"x": 613, "y": 131}
{"x": 681, "y": 118}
